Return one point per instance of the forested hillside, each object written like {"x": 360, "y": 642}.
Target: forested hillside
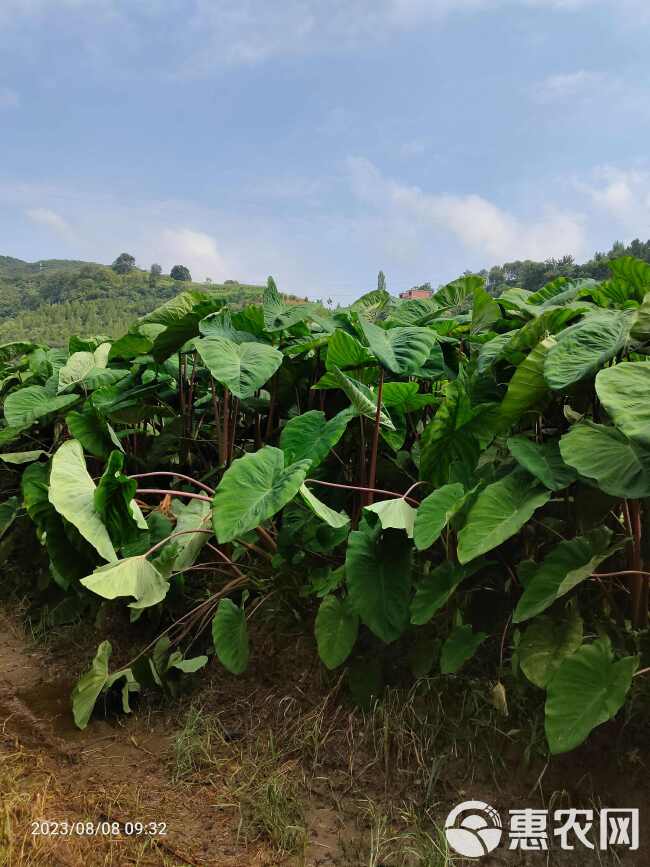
{"x": 50, "y": 300}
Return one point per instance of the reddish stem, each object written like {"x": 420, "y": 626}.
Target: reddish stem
{"x": 189, "y": 479}
{"x": 375, "y": 441}
{"x": 164, "y": 492}
{"x": 361, "y": 488}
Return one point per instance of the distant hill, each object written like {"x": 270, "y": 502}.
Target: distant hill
{"x": 49, "y": 300}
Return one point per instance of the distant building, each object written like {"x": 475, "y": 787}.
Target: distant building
{"x": 417, "y": 292}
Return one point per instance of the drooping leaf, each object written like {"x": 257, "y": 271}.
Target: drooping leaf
{"x": 241, "y": 367}
{"x": 435, "y": 512}
{"x": 115, "y": 504}
{"x": 322, "y": 510}
{"x": 400, "y": 350}
{"x": 230, "y": 636}
{"x": 602, "y": 454}
{"x": 95, "y": 681}
{"x": 500, "y": 510}
{"x": 588, "y": 689}
{"x": 336, "y": 631}
{"x": 395, "y": 514}
{"x": 624, "y": 391}
{"x": 27, "y": 405}
{"x": 134, "y": 576}
{"x": 310, "y": 436}
{"x": 362, "y": 399}
{"x": 22, "y": 457}
{"x": 378, "y": 575}
{"x": 253, "y": 489}
{"x": 568, "y": 564}
{"x": 583, "y": 348}
{"x": 72, "y": 493}
{"x": 542, "y": 460}
{"x": 460, "y": 646}
{"x": 190, "y": 515}
{"x": 485, "y": 311}
{"x": 93, "y": 432}
{"x": 527, "y": 388}
{"x": 546, "y": 643}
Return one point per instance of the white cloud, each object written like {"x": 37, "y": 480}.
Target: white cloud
{"x": 567, "y": 85}
{"x": 8, "y": 98}
{"x": 53, "y": 221}
{"x": 197, "y": 250}
{"x": 480, "y": 225}
{"x": 623, "y": 195}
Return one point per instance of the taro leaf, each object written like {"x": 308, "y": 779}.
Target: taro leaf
{"x": 346, "y": 352}
{"x": 115, "y": 505}
{"x": 134, "y": 576}
{"x": 27, "y": 405}
{"x": 80, "y": 365}
{"x": 92, "y": 431}
{"x": 362, "y": 399}
{"x": 641, "y": 325}
{"x": 22, "y": 457}
{"x": 192, "y": 515}
{"x": 405, "y": 397}
{"x": 336, "y": 631}
{"x": 437, "y": 588}
{"x": 588, "y": 689}
{"x": 241, "y": 367}
{"x": 542, "y": 460}
{"x": 458, "y": 291}
{"x": 602, "y": 454}
{"x": 485, "y": 311}
{"x": 527, "y": 388}
{"x": 8, "y": 512}
{"x": 230, "y": 636}
{"x": 499, "y": 511}
{"x": 400, "y": 350}
{"x": 219, "y": 324}
{"x": 180, "y": 316}
{"x": 310, "y": 436}
{"x": 187, "y": 666}
{"x": 277, "y": 314}
{"x": 395, "y": 514}
{"x": 460, "y": 646}
{"x": 334, "y": 519}
{"x": 435, "y": 512}
{"x": 624, "y": 391}
{"x": 254, "y": 489}
{"x": 634, "y": 272}
{"x": 566, "y": 566}
{"x": 452, "y": 441}
{"x": 130, "y": 346}
{"x": 378, "y": 575}
{"x": 583, "y": 348}
{"x": 72, "y": 493}
{"x": 91, "y": 684}
{"x": 546, "y": 644}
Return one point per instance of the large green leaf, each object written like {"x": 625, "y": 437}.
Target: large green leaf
{"x": 277, "y": 314}
{"x": 546, "y": 643}
{"x": 190, "y": 515}
{"x": 460, "y": 646}
{"x": 583, "y": 348}
{"x": 395, "y": 514}
{"x": 27, "y": 405}
{"x": 567, "y": 565}
{"x": 310, "y": 436}
{"x": 617, "y": 465}
{"x": 22, "y": 457}
{"x": 437, "y": 588}
{"x": 134, "y": 576}
{"x": 72, "y": 493}
{"x": 624, "y": 391}
{"x": 634, "y": 272}
{"x": 253, "y": 489}
{"x": 346, "y": 352}
{"x": 82, "y": 365}
{"x": 362, "y": 399}
{"x": 115, "y": 504}
{"x": 322, "y": 510}
{"x": 241, "y": 367}
{"x": 336, "y": 631}
{"x": 93, "y": 432}
{"x": 378, "y": 575}
{"x": 485, "y": 311}
{"x": 230, "y": 636}
{"x": 542, "y": 460}
{"x": 180, "y": 317}
{"x": 527, "y": 388}
{"x": 499, "y": 511}
{"x": 588, "y": 689}
{"x": 435, "y": 512}
{"x": 400, "y": 350}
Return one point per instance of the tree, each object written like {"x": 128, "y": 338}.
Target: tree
{"x": 154, "y": 273}
{"x": 381, "y": 281}
{"x": 124, "y": 263}
{"x": 180, "y": 272}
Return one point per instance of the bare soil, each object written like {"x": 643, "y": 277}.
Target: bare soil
{"x": 279, "y": 769}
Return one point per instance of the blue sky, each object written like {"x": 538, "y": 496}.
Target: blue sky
{"x": 321, "y": 140}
